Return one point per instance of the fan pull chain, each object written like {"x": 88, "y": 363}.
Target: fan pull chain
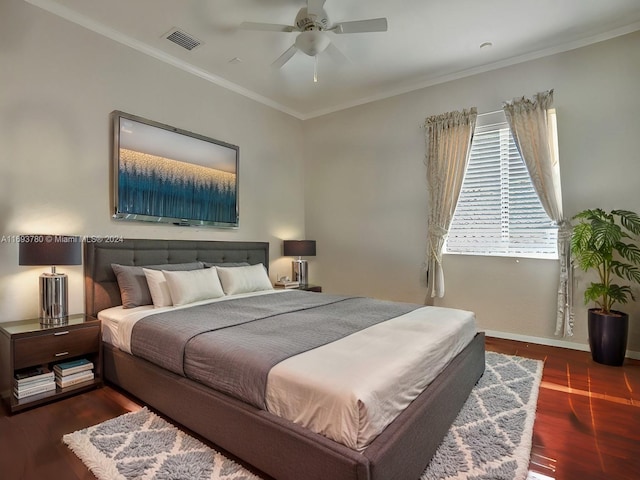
{"x": 315, "y": 69}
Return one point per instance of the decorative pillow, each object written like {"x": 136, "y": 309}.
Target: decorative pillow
{"x": 189, "y": 287}
{"x": 158, "y": 288}
{"x": 134, "y": 290}
{"x": 253, "y": 278}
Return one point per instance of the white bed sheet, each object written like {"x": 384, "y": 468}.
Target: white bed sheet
{"x": 329, "y": 389}
{"x": 118, "y": 322}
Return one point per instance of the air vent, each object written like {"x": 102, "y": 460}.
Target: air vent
{"x": 182, "y": 38}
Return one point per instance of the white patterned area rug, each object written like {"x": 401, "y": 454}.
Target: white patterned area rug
{"x": 490, "y": 439}
{"x": 141, "y": 445}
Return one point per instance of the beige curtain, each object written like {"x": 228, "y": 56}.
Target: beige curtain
{"x": 533, "y": 126}
{"x": 448, "y": 138}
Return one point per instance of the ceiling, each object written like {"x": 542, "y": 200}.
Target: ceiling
{"x": 427, "y": 42}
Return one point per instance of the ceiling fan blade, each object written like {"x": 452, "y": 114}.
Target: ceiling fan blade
{"x": 268, "y": 27}
{"x": 337, "y": 55}
{"x": 285, "y": 57}
{"x": 361, "y": 26}
{"x": 314, "y": 7}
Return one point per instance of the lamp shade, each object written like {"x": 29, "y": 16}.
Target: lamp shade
{"x": 50, "y": 250}
{"x": 299, "y": 248}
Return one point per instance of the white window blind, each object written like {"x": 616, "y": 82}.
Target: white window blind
{"x": 499, "y": 212}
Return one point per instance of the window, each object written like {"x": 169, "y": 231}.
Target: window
{"x": 498, "y": 211}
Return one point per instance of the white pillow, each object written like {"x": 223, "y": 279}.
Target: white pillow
{"x": 158, "y": 287}
{"x": 253, "y": 278}
{"x": 191, "y": 286}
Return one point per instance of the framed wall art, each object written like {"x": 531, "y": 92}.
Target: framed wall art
{"x": 164, "y": 174}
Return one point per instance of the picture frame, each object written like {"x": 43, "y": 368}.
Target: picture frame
{"x": 163, "y": 174}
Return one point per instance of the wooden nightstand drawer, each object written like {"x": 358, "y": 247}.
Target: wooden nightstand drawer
{"x": 55, "y": 346}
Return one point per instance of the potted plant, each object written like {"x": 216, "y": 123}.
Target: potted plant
{"x": 607, "y": 243}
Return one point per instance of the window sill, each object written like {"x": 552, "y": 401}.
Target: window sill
{"x": 516, "y": 256}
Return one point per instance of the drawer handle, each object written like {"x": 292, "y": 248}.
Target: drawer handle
{"x": 62, "y": 354}
{"x": 61, "y": 333}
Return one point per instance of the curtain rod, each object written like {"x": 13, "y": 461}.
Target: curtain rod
{"x": 422, "y": 125}
{"x": 490, "y": 113}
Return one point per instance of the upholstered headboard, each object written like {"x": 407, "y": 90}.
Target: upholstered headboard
{"x": 101, "y": 287}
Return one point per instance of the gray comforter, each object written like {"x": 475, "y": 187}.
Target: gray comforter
{"x": 231, "y": 345}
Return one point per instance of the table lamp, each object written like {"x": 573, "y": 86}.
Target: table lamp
{"x": 300, "y": 248}
{"x": 51, "y": 250}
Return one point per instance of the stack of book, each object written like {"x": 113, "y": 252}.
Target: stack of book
{"x": 33, "y": 381}
{"x": 287, "y": 284}
{"x": 73, "y": 372}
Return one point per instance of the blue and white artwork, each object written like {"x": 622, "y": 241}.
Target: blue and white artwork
{"x": 164, "y": 175}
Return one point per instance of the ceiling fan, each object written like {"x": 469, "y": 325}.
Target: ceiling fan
{"x": 312, "y": 22}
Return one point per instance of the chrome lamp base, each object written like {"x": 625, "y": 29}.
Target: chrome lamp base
{"x": 54, "y": 299}
{"x": 300, "y": 271}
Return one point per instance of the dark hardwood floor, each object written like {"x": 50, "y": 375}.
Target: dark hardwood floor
{"x": 588, "y": 418}
{"x": 587, "y": 424}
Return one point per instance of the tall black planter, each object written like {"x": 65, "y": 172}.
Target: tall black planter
{"x": 608, "y": 336}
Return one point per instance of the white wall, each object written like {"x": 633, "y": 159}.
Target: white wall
{"x": 364, "y": 196}
{"x": 58, "y": 84}
{"x": 366, "y": 188}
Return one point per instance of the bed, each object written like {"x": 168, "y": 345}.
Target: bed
{"x": 275, "y": 445}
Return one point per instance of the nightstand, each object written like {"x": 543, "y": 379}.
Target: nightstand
{"x": 311, "y": 288}
{"x": 27, "y": 343}
{"x": 308, "y": 288}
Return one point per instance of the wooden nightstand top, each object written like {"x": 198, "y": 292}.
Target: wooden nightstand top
{"x": 308, "y": 287}
{"x": 311, "y": 288}
{"x": 33, "y": 325}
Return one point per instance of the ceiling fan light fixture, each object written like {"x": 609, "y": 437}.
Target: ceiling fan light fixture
{"x": 312, "y": 42}
{"x": 312, "y": 22}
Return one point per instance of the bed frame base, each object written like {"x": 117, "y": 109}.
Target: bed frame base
{"x": 287, "y": 451}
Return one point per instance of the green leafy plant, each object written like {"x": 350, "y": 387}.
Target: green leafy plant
{"x": 607, "y": 242}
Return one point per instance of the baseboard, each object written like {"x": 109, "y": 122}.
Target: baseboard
{"x": 549, "y": 342}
